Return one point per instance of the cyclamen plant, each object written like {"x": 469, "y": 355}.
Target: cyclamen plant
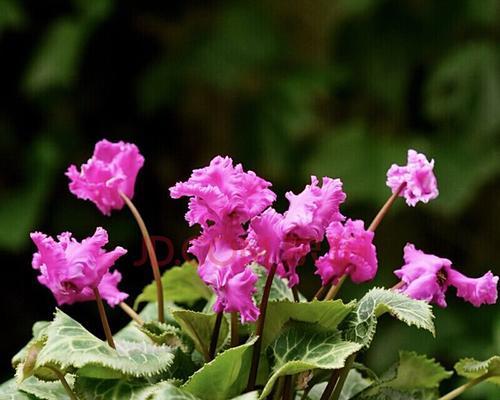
{"x": 232, "y": 324}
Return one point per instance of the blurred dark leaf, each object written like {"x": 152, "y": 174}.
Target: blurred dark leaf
{"x": 11, "y": 15}
{"x": 21, "y": 208}
{"x": 464, "y": 90}
{"x": 57, "y": 58}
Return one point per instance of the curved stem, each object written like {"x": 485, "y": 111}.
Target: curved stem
{"x": 104, "y": 318}
{"x": 385, "y": 208}
{"x": 459, "y": 390}
{"x": 235, "y": 337}
{"x": 343, "y": 376}
{"x": 215, "y": 336}
{"x": 334, "y": 290}
{"x": 131, "y": 313}
{"x": 64, "y": 382}
{"x": 151, "y": 254}
{"x": 260, "y": 328}
{"x": 295, "y": 293}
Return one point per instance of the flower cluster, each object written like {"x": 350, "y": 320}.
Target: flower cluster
{"x": 239, "y": 227}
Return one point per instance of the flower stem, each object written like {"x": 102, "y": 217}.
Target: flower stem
{"x": 235, "y": 337}
{"x": 295, "y": 294}
{"x": 287, "y": 388}
{"x": 64, "y": 382}
{"x": 151, "y": 253}
{"x": 260, "y": 329}
{"x": 397, "y": 285}
{"x": 385, "y": 208}
{"x": 131, "y": 313}
{"x": 343, "y": 376}
{"x": 319, "y": 294}
{"x": 459, "y": 390}
{"x": 215, "y": 336}
{"x": 104, "y": 318}
{"x": 335, "y": 289}
{"x": 327, "y": 393}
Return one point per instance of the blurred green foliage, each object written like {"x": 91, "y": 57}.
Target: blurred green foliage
{"x": 340, "y": 88}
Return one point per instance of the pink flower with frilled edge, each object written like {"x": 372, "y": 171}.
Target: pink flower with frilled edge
{"x": 234, "y": 290}
{"x": 312, "y": 210}
{"x": 71, "y": 269}
{"x": 418, "y": 179}
{"x": 223, "y": 259}
{"x": 265, "y": 238}
{"x": 112, "y": 169}
{"x": 476, "y": 291}
{"x": 427, "y": 277}
{"x": 351, "y": 253}
{"x": 223, "y": 193}
{"x": 269, "y": 245}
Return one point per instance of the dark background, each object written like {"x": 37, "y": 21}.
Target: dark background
{"x": 289, "y": 88}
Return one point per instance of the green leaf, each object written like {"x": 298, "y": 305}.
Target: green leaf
{"x": 112, "y": 389}
{"x": 386, "y": 393}
{"x": 417, "y": 372}
{"x": 162, "y": 333}
{"x": 180, "y": 284}
{"x": 471, "y": 368}
{"x": 300, "y": 349}
{"x": 360, "y": 326}
{"x": 413, "y": 375}
{"x": 53, "y": 390}
{"x": 70, "y": 347}
{"x": 9, "y": 391}
{"x": 199, "y": 327}
{"x": 225, "y": 376}
{"x": 325, "y": 314}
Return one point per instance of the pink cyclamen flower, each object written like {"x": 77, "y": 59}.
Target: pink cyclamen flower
{"x": 269, "y": 244}
{"x": 112, "y": 169}
{"x": 351, "y": 253}
{"x": 312, "y": 210}
{"x": 418, "y": 179}
{"x": 427, "y": 277}
{"x": 223, "y": 193}
{"x": 234, "y": 292}
{"x": 224, "y": 268}
{"x": 72, "y": 269}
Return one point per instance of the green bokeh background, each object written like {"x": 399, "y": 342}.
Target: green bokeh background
{"x": 290, "y": 89}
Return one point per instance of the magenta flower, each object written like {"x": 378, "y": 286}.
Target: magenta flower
{"x": 112, "y": 169}
{"x": 224, "y": 269}
{"x": 312, "y": 210}
{"x": 71, "y": 270}
{"x": 269, "y": 245}
{"x": 223, "y": 193}
{"x": 234, "y": 292}
{"x": 418, "y": 179}
{"x": 351, "y": 253}
{"x": 265, "y": 238}
{"x": 427, "y": 277}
